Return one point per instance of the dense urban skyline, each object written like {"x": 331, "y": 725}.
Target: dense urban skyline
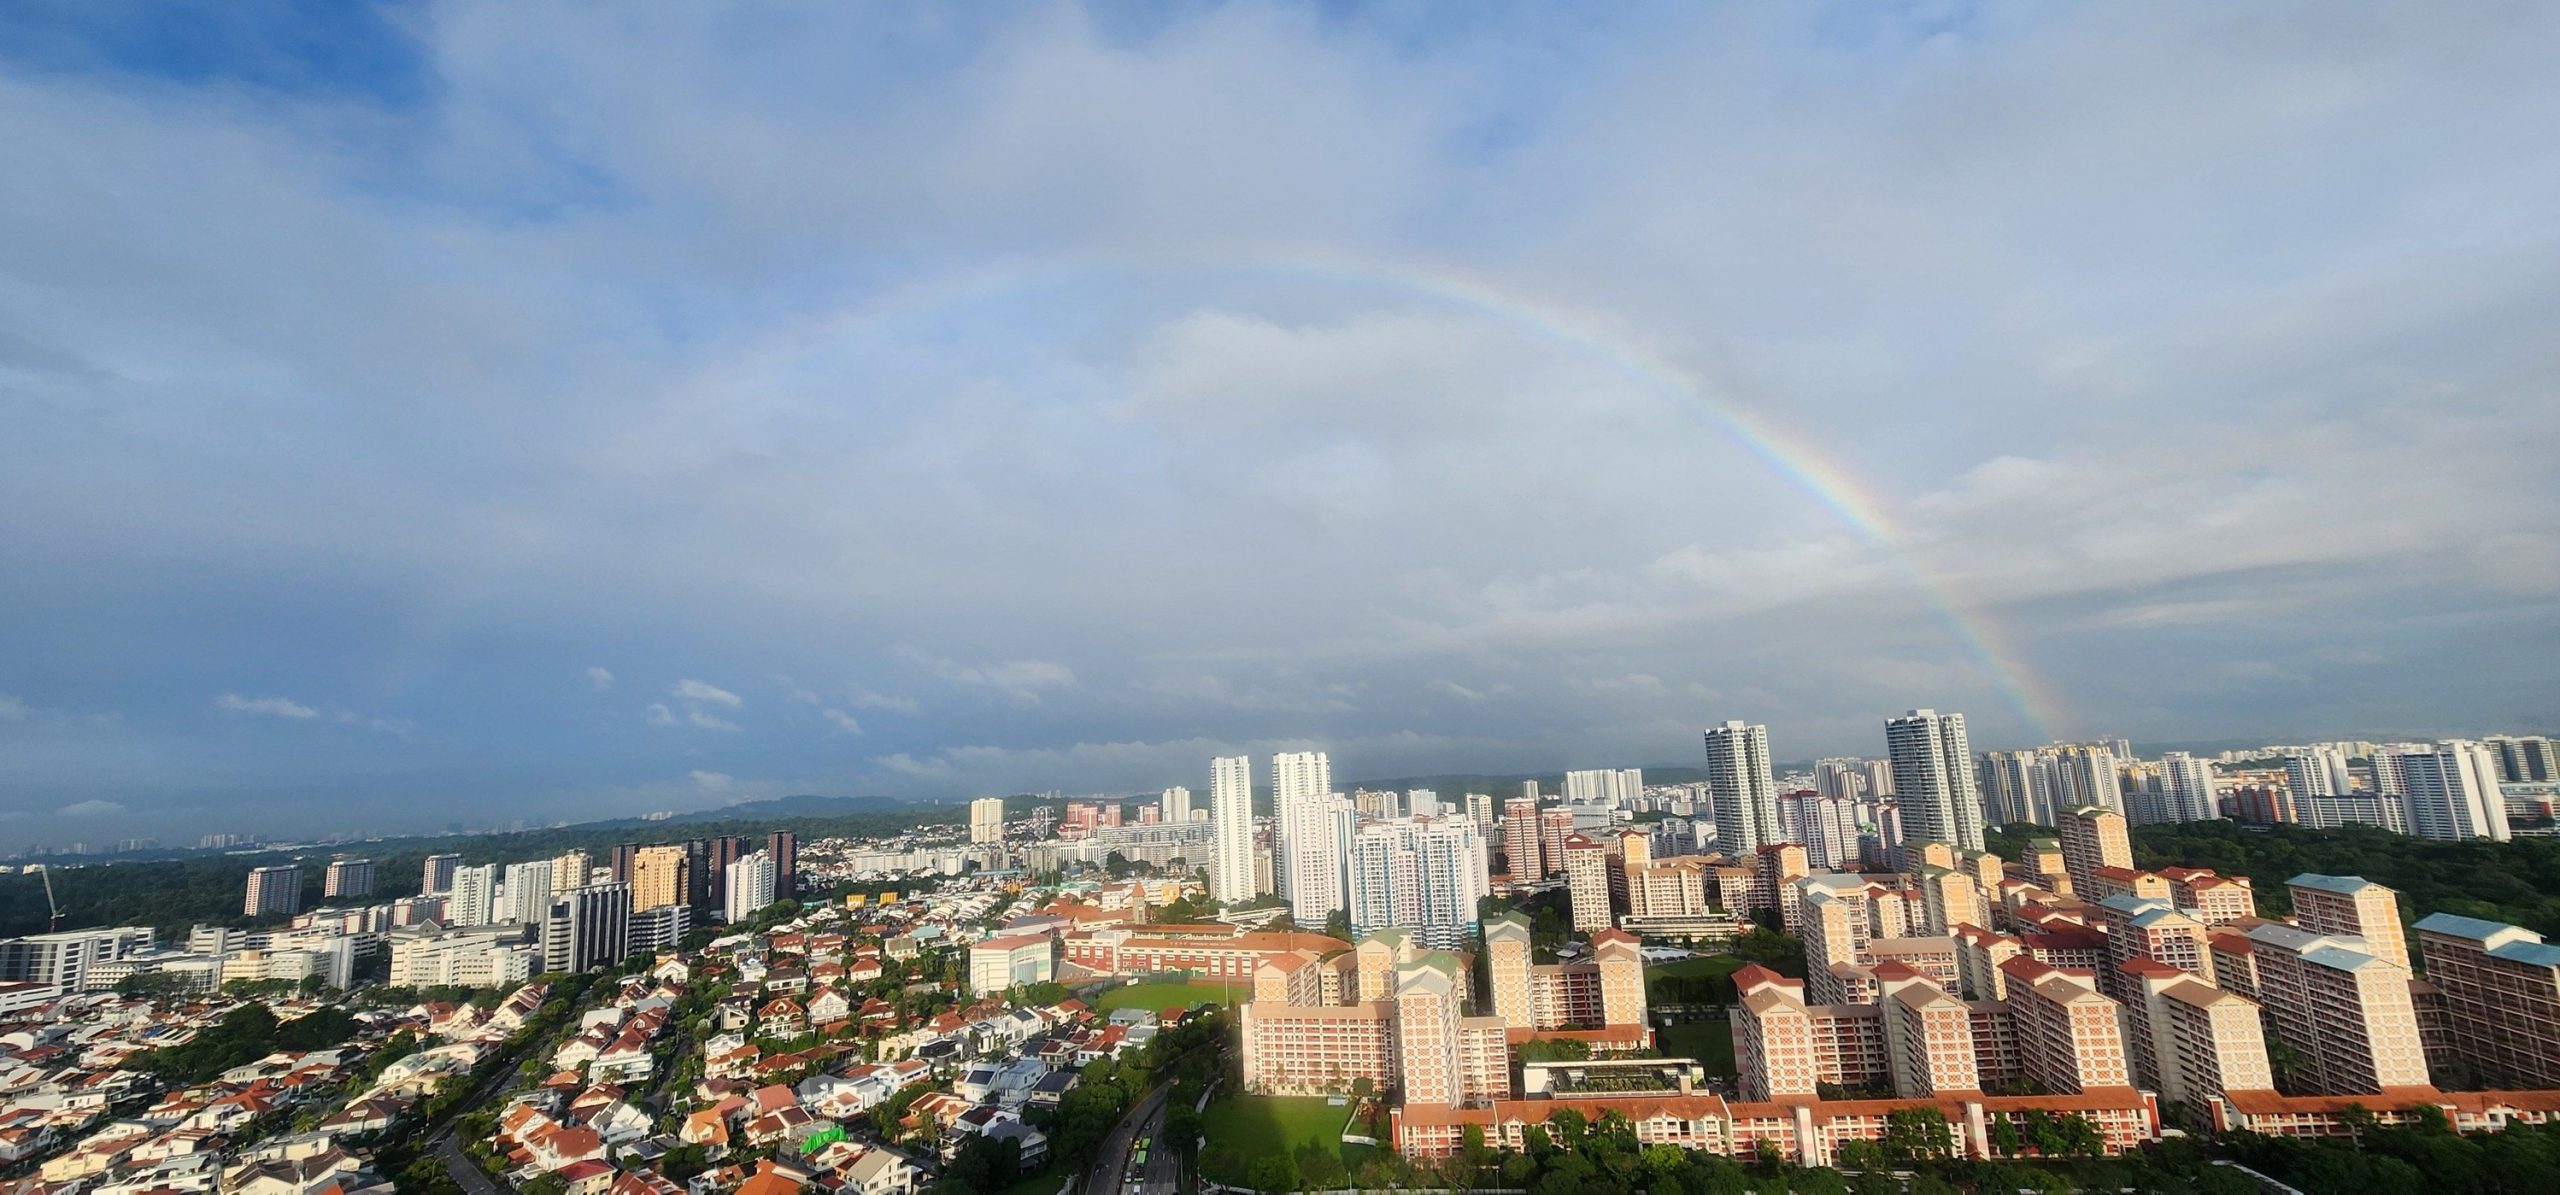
{"x": 566, "y": 417}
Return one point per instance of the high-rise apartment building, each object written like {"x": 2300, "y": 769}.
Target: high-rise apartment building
{"x": 750, "y": 886}
{"x": 437, "y": 877}
{"x": 1315, "y": 829}
{"x": 347, "y": 877}
{"x": 986, "y": 819}
{"x": 2092, "y": 838}
{"x": 1586, "y": 873}
{"x": 2187, "y": 783}
{"x": 2351, "y": 907}
{"x": 2501, "y": 990}
{"x": 2069, "y": 1036}
{"x": 1425, "y": 875}
{"x": 571, "y": 869}
{"x": 660, "y": 875}
{"x": 2451, "y": 791}
{"x": 1740, "y": 787}
{"x": 1933, "y": 779}
{"x": 1231, "y": 875}
{"x": 1614, "y": 787}
{"x": 784, "y": 846}
{"x": 587, "y": 927}
{"x": 473, "y": 900}
{"x": 527, "y": 897}
{"x": 1480, "y": 807}
{"x": 1554, "y": 826}
{"x": 1520, "y": 842}
{"x": 2317, "y": 772}
{"x": 2347, "y": 1014}
{"x": 2525, "y": 759}
{"x": 60, "y": 962}
{"x": 273, "y": 889}
{"x": 1174, "y": 804}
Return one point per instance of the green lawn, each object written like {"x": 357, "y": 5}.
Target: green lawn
{"x": 1255, "y": 1126}
{"x": 1710, "y": 1042}
{"x": 1048, "y": 1182}
{"x": 1701, "y": 980}
{"x": 1156, "y": 997}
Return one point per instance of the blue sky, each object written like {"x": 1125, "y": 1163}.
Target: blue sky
{"x": 469, "y": 412}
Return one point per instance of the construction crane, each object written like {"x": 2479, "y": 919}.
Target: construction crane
{"x": 55, "y": 925}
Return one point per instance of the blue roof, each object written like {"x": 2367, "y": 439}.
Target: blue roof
{"x": 2531, "y": 954}
{"x": 2461, "y": 927}
{"x": 2339, "y": 957}
{"x": 2342, "y": 885}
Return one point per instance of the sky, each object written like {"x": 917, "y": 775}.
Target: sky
{"x": 471, "y": 413}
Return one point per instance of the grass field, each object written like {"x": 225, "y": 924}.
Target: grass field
{"x": 1263, "y": 1125}
{"x": 1710, "y": 1042}
{"x": 1048, "y": 1182}
{"x": 1702, "y": 980}
{"x": 1155, "y": 997}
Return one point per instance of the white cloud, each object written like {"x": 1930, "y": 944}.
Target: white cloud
{"x": 694, "y": 690}
{"x": 713, "y": 781}
{"x": 1024, "y": 680}
{"x": 842, "y": 721}
{"x": 92, "y": 808}
{"x": 274, "y": 707}
{"x": 658, "y": 714}
{"x": 865, "y": 699}
{"x": 705, "y": 719}
{"x": 12, "y": 709}
{"x": 599, "y": 679}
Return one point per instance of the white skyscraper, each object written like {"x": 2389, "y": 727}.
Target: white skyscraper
{"x": 1739, "y": 786}
{"x": 528, "y": 894}
{"x": 1421, "y": 802}
{"x": 750, "y": 885}
{"x": 1425, "y": 874}
{"x": 1933, "y": 779}
{"x": 1480, "y": 807}
{"x": 2316, "y": 772}
{"x": 1174, "y": 805}
{"x": 1315, "y": 829}
{"x": 986, "y": 819}
{"x": 1614, "y": 787}
{"x": 474, "y": 898}
{"x": 2452, "y": 791}
{"x": 1231, "y": 825}
{"x": 2188, "y": 781}
{"x": 1299, "y": 774}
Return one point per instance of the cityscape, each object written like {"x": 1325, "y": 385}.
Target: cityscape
{"x": 1859, "y": 969}
{"x": 1268, "y": 597}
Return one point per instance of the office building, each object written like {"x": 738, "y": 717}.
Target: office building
{"x": 587, "y": 927}
{"x": 1740, "y": 788}
{"x": 437, "y": 879}
{"x": 2451, "y": 791}
{"x": 1426, "y": 875}
{"x": 660, "y": 928}
{"x": 273, "y": 890}
{"x": 1231, "y": 873}
{"x": 1006, "y": 960}
{"x": 1933, "y": 779}
{"x": 63, "y": 961}
{"x": 750, "y": 886}
{"x": 347, "y": 877}
{"x": 2500, "y": 987}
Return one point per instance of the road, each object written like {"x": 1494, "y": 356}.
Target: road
{"x": 1110, "y": 1167}
{"x": 466, "y": 1173}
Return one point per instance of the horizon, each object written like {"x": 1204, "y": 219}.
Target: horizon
{"x": 463, "y": 412}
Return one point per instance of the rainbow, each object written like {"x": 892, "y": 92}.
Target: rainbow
{"x": 1800, "y": 462}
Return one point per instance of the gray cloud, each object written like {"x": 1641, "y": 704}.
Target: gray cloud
{"x": 1107, "y": 399}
